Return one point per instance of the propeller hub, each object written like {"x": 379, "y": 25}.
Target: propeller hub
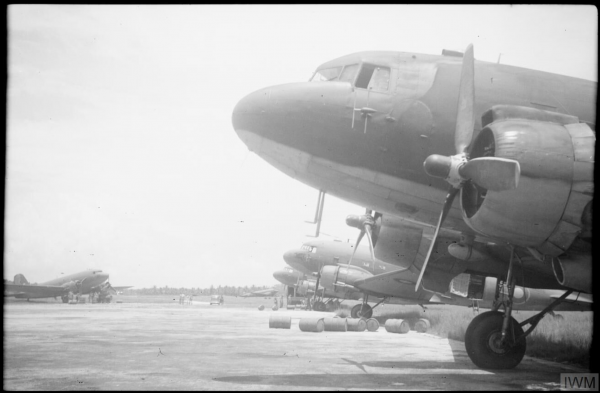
{"x": 359, "y": 221}
{"x": 437, "y": 165}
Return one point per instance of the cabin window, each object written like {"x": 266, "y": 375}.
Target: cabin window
{"x": 327, "y": 74}
{"x": 349, "y": 73}
{"x": 373, "y": 77}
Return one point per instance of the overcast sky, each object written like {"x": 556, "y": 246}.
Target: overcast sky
{"x": 120, "y": 150}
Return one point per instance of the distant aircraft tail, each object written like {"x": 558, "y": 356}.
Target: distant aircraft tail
{"x": 20, "y": 280}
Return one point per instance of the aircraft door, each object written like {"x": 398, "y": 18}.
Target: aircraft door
{"x": 372, "y": 99}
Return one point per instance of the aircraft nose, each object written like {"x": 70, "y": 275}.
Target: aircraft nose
{"x": 295, "y": 258}
{"x": 284, "y": 112}
{"x": 285, "y": 277}
{"x": 247, "y": 117}
{"x": 280, "y": 276}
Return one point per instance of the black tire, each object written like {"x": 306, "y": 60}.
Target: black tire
{"x": 319, "y": 306}
{"x": 359, "y": 311}
{"x": 482, "y": 342}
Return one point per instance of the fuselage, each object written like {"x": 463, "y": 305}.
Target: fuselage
{"x": 89, "y": 280}
{"x": 261, "y": 293}
{"x": 366, "y": 141}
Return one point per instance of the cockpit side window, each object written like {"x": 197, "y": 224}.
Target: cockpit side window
{"x": 349, "y": 73}
{"x": 327, "y": 74}
{"x": 381, "y": 79}
{"x": 373, "y": 77}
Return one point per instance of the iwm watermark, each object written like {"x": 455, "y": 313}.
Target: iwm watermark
{"x": 579, "y": 381}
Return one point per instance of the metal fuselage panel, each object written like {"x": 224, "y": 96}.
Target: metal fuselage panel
{"x": 325, "y": 135}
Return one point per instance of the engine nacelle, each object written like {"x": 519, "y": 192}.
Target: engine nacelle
{"x": 482, "y": 288}
{"x": 556, "y": 155}
{"x": 305, "y": 287}
{"x": 398, "y": 241}
{"x": 72, "y": 286}
{"x": 341, "y": 278}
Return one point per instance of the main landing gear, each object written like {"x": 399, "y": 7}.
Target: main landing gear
{"x": 494, "y": 339}
{"x": 363, "y": 310}
{"x": 319, "y": 306}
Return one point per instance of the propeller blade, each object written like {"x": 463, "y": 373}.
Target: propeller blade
{"x": 360, "y": 236}
{"x": 316, "y": 286}
{"x": 492, "y": 173}
{"x": 447, "y": 205}
{"x": 370, "y": 239}
{"x": 465, "y": 119}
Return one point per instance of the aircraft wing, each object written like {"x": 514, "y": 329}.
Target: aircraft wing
{"x": 401, "y": 283}
{"x": 36, "y": 290}
{"x": 122, "y": 288}
{"x": 581, "y": 298}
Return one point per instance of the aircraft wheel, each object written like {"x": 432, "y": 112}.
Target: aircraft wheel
{"x": 483, "y": 345}
{"x": 319, "y": 306}
{"x": 65, "y": 299}
{"x": 366, "y": 312}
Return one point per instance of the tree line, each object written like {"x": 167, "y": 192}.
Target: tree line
{"x": 212, "y": 290}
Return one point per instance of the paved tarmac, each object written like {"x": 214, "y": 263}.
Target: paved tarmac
{"x": 145, "y": 346}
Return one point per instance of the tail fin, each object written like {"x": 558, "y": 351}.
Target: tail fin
{"x": 20, "y": 279}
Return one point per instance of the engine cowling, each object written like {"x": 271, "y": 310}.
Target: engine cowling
{"x": 72, "y": 286}
{"x": 341, "y": 278}
{"x": 556, "y": 155}
{"x": 305, "y": 287}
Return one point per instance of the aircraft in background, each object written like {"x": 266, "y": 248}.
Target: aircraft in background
{"x": 405, "y": 133}
{"x": 344, "y": 272}
{"x": 261, "y": 293}
{"x": 87, "y": 282}
{"x": 303, "y": 286}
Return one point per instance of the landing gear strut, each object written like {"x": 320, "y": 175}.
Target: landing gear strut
{"x": 494, "y": 339}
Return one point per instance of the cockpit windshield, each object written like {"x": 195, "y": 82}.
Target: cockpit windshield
{"x": 349, "y": 73}
{"x": 306, "y": 247}
{"x": 342, "y": 74}
{"x": 327, "y": 74}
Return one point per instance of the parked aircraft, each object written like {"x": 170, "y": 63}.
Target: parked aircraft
{"x": 343, "y": 271}
{"x": 86, "y": 282}
{"x": 304, "y": 285}
{"x": 289, "y": 276}
{"x": 404, "y": 133}
{"x": 261, "y": 293}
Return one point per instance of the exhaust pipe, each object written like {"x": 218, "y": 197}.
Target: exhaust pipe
{"x": 574, "y": 272}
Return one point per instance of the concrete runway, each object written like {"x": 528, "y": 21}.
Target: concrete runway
{"x": 145, "y": 346}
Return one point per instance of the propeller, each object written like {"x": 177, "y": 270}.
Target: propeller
{"x": 491, "y": 173}
{"x": 316, "y": 285}
{"x": 110, "y": 287}
{"x": 365, "y": 223}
